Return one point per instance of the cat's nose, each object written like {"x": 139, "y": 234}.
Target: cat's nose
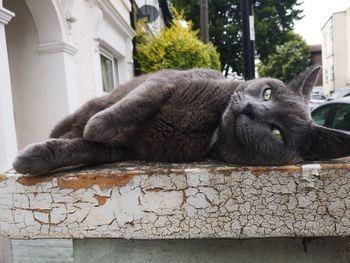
{"x": 249, "y": 110}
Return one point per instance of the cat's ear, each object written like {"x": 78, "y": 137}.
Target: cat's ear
{"x": 322, "y": 143}
{"x": 304, "y": 83}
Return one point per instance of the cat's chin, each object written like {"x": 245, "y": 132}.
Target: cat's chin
{"x": 243, "y": 129}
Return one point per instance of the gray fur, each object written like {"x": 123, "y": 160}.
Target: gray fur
{"x": 182, "y": 116}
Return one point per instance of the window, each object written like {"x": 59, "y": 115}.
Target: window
{"x": 342, "y": 117}
{"x": 335, "y": 115}
{"x": 109, "y": 70}
{"x": 320, "y": 115}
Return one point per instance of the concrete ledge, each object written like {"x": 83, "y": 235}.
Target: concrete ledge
{"x": 267, "y": 250}
{"x": 171, "y": 201}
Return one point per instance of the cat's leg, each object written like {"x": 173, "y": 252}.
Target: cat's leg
{"x": 137, "y": 106}
{"x": 40, "y": 158}
{"x": 73, "y": 125}
{"x": 68, "y": 128}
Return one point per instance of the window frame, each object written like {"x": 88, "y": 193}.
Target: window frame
{"x": 115, "y": 69}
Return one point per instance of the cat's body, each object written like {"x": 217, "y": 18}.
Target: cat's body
{"x": 176, "y": 116}
{"x": 189, "y": 108}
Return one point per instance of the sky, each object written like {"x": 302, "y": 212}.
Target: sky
{"x": 316, "y": 13}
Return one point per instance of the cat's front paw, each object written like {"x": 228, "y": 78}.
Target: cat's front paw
{"x": 100, "y": 128}
{"x": 34, "y": 160}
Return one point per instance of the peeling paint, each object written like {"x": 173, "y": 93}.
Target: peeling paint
{"x": 260, "y": 170}
{"x": 255, "y": 170}
{"x": 199, "y": 200}
{"x": 2, "y": 178}
{"x": 336, "y": 166}
{"x": 101, "y": 199}
{"x": 103, "y": 181}
{"x": 33, "y": 180}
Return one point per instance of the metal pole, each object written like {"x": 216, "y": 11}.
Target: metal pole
{"x": 248, "y": 39}
{"x": 204, "y": 21}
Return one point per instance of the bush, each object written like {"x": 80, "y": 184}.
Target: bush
{"x": 177, "y": 47}
{"x": 289, "y": 60}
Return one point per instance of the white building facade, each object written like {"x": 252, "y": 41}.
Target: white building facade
{"x": 336, "y": 51}
{"x": 54, "y": 56}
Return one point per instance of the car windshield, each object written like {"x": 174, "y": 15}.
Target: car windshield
{"x": 339, "y": 94}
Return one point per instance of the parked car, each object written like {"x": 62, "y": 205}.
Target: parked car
{"x": 317, "y": 97}
{"x": 333, "y": 114}
{"x": 340, "y": 93}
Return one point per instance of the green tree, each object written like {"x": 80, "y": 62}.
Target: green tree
{"x": 273, "y": 20}
{"x": 177, "y": 47}
{"x": 288, "y": 61}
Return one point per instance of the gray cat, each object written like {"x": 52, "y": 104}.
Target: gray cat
{"x": 183, "y": 116}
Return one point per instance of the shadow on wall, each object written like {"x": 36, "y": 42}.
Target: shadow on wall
{"x": 318, "y": 250}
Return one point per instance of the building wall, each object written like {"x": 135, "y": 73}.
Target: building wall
{"x": 48, "y": 85}
{"x": 287, "y": 250}
{"x": 316, "y": 59}
{"x": 124, "y": 8}
{"x": 328, "y": 57}
{"x": 336, "y": 51}
{"x": 8, "y": 141}
{"x": 38, "y": 101}
{"x": 81, "y": 32}
{"x": 45, "y": 86}
{"x": 95, "y": 28}
{"x": 340, "y": 50}
{"x": 42, "y": 251}
{"x": 5, "y": 250}
{"x": 118, "y": 45}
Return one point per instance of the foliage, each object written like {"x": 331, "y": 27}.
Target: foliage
{"x": 214, "y": 57}
{"x": 288, "y": 61}
{"x": 177, "y": 47}
{"x": 273, "y": 20}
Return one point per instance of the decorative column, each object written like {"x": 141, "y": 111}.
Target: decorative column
{"x": 8, "y": 141}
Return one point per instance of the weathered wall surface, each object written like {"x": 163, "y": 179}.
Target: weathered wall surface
{"x": 178, "y": 201}
{"x": 267, "y": 250}
{"x": 42, "y": 251}
{"x": 5, "y": 250}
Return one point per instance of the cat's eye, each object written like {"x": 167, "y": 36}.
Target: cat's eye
{"x": 267, "y": 94}
{"x": 277, "y": 134}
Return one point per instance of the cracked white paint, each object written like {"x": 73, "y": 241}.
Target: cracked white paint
{"x": 178, "y": 201}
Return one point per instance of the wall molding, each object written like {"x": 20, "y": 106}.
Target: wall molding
{"x": 109, "y": 10}
{"x": 5, "y": 16}
{"x": 127, "y": 5}
{"x": 56, "y": 47}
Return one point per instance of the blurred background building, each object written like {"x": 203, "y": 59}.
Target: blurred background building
{"x": 336, "y": 51}
{"x": 316, "y": 59}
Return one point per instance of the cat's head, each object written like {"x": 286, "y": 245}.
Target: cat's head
{"x": 268, "y": 123}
